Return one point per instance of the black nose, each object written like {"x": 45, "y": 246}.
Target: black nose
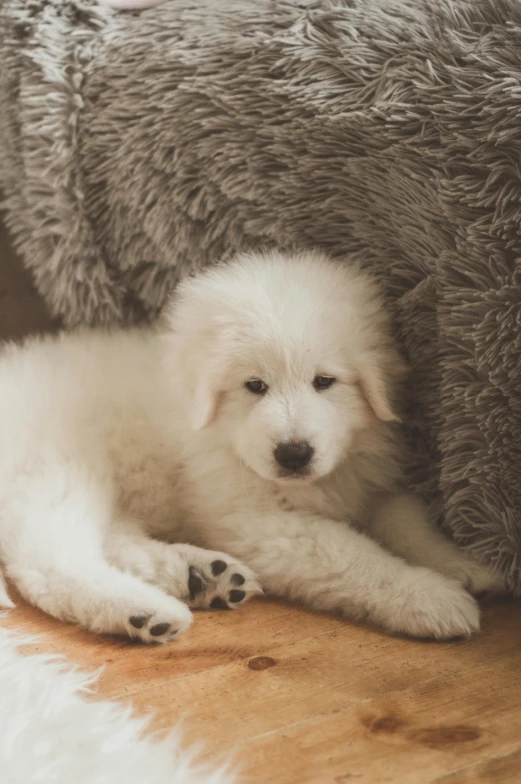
{"x": 294, "y": 454}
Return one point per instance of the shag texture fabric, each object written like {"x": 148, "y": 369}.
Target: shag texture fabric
{"x": 137, "y": 147}
{"x": 50, "y": 732}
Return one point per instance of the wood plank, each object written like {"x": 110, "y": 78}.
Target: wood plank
{"x": 497, "y": 770}
{"x": 314, "y": 677}
{"x": 410, "y": 736}
{"x": 214, "y": 639}
{"x": 304, "y": 697}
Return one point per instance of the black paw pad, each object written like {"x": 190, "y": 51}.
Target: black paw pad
{"x": 218, "y": 604}
{"x": 196, "y": 584}
{"x": 138, "y": 621}
{"x": 237, "y": 596}
{"x": 237, "y": 579}
{"x": 159, "y": 629}
{"x": 218, "y": 567}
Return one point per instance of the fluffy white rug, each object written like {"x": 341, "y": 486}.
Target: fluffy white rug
{"x": 51, "y": 734}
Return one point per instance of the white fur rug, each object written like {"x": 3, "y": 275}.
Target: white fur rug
{"x": 51, "y": 734}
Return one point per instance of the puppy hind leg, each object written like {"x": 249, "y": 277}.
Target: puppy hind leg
{"x": 102, "y": 599}
{"x": 51, "y": 537}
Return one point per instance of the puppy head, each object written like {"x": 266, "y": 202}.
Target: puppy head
{"x": 283, "y": 358}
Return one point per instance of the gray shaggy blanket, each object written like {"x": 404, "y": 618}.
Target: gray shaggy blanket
{"x": 137, "y": 147}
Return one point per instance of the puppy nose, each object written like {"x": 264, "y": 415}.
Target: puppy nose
{"x": 294, "y": 454}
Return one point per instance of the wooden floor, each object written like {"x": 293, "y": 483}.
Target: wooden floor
{"x": 301, "y": 698}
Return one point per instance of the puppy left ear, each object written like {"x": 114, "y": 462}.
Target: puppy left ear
{"x": 378, "y": 373}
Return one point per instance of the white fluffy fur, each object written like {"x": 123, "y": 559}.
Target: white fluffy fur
{"x": 50, "y": 732}
{"x": 112, "y": 442}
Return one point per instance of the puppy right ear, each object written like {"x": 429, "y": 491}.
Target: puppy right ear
{"x": 205, "y": 403}
{"x": 198, "y": 391}
{"x": 196, "y": 356}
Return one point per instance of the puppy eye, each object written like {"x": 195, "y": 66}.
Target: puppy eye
{"x": 323, "y": 382}
{"x": 256, "y": 386}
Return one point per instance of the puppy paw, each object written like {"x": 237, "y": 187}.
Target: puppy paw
{"x": 217, "y": 582}
{"x": 431, "y": 606}
{"x": 160, "y": 623}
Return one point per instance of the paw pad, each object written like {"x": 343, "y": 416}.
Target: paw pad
{"x": 159, "y": 629}
{"x": 218, "y": 567}
{"x": 218, "y": 604}
{"x": 196, "y": 584}
{"x": 138, "y": 621}
{"x": 214, "y": 580}
{"x": 152, "y": 627}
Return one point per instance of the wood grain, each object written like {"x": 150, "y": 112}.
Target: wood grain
{"x": 300, "y": 697}
{"x": 499, "y": 770}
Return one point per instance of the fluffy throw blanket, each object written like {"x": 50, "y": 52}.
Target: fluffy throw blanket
{"x": 52, "y": 734}
{"x": 139, "y": 146}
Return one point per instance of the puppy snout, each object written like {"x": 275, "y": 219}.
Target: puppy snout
{"x": 294, "y": 455}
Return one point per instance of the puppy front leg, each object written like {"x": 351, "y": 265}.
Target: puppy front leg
{"x": 201, "y": 578}
{"x": 329, "y": 566}
{"x": 401, "y": 523}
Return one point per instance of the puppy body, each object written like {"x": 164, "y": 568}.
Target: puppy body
{"x": 115, "y": 443}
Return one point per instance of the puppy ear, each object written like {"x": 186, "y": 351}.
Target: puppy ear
{"x": 199, "y": 392}
{"x": 205, "y": 403}
{"x": 378, "y": 373}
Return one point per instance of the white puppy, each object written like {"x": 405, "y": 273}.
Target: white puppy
{"x": 261, "y": 423}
